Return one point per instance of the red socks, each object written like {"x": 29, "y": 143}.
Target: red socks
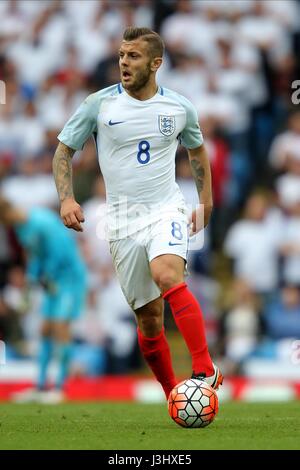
{"x": 189, "y": 320}
{"x": 157, "y": 354}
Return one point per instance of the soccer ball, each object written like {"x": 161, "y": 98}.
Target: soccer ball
{"x": 193, "y": 404}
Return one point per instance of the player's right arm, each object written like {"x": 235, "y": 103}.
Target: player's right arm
{"x": 73, "y": 137}
{"x": 70, "y": 211}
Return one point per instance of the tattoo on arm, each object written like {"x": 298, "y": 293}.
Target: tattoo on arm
{"x": 62, "y": 171}
{"x": 198, "y": 174}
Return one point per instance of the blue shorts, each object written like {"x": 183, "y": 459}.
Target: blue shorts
{"x": 66, "y": 303}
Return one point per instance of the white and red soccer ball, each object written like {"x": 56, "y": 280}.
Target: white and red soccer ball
{"x": 193, "y": 403}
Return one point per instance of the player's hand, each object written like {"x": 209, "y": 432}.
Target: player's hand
{"x": 71, "y": 214}
{"x": 199, "y": 218}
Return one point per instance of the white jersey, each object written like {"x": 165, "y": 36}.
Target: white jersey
{"x": 136, "y": 143}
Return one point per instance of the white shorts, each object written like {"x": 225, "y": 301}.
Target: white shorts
{"x": 132, "y": 256}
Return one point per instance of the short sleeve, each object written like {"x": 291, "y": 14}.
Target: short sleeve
{"x": 81, "y": 125}
{"x": 191, "y": 136}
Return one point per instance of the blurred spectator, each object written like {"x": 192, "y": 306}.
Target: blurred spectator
{"x": 282, "y": 316}
{"x": 39, "y": 51}
{"x": 290, "y": 246}
{"x": 89, "y": 353}
{"x": 15, "y": 293}
{"x": 10, "y": 137}
{"x": 288, "y": 189}
{"x": 30, "y": 130}
{"x": 11, "y": 331}
{"x": 286, "y": 146}
{"x": 222, "y": 179}
{"x": 30, "y": 187}
{"x": 5, "y": 254}
{"x": 94, "y": 228}
{"x": 259, "y": 28}
{"x": 241, "y": 324}
{"x": 107, "y": 70}
{"x": 253, "y": 244}
{"x": 106, "y": 337}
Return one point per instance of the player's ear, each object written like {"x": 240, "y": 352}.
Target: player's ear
{"x": 156, "y": 63}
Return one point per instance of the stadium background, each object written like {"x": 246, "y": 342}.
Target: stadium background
{"x": 237, "y": 62}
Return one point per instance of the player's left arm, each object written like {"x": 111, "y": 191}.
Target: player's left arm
{"x": 201, "y": 172}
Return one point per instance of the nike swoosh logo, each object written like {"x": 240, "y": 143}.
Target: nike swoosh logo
{"x": 173, "y": 244}
{"x": 114, "y": 123}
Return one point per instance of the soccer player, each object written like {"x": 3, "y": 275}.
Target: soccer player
{"x": 137, "y": 126}
{"x": 54, "y": 261}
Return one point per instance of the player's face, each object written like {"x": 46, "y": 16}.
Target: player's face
{"x": 135, "y": 64}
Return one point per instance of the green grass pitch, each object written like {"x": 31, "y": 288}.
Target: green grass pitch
{"x": 127, "y": 426}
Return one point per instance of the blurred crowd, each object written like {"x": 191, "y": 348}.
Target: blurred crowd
{"x": 236, "y": 60}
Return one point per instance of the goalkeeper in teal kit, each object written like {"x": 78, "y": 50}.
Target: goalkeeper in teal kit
{"x": 54, "y": 261}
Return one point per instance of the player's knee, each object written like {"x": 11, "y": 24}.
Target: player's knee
{"x": 150, "y": 326}
{"x": 62, "y": 332}
{"x": 167, "y": 279}
{"x": 150, "y": 319}
{"x": 46, "y": 329}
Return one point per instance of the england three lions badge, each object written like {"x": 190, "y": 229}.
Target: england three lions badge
{"x": 166, "y": 124}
